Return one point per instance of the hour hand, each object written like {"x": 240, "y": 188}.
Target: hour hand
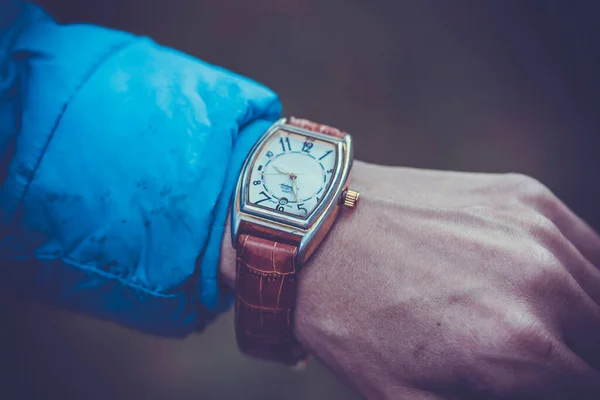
{"x": 281, "y": 171}
{"x": 284, "y": 172}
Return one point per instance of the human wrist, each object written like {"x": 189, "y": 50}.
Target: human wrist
{"x": 270, "y": 254}
{"x": 319, "y": 296}
{"x": 227, "y": 272}
{"x": 317, "y": 276}
{"x": 228, "y": 257}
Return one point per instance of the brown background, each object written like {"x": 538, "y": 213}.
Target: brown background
{"x": 465, "y": 85}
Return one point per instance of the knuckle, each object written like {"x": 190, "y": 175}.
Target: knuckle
{"x": 533, "y": 192}
{"x": 542, "y": 230}
{"x": 518, "y": 180}
{"x": 540, "y": 270}
{"x": 514, "y": 336}
{"x": 545, "y": 262}
{"x": 527, "y": 185}
{"x": 519, "y": 332}
{"x": 530, "y": 339}
{"x": 536, "y": 189}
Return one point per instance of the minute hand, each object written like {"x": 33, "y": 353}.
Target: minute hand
{"x": 294, "y": 187}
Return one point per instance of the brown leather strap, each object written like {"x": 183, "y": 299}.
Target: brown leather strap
{"x": 315, "y": 127}
{"x": 266, "y": 299}
{"x": 266, "y": 285}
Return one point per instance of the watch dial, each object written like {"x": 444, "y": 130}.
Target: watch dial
{"x": 292, "y": 173}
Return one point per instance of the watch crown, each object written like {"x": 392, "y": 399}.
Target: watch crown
{"x": 350, "y": 198}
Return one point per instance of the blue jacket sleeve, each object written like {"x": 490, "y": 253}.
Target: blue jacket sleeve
{"x": 119, "y": 158}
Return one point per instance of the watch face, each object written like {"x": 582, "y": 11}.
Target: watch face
{"x": 292, "y": 173}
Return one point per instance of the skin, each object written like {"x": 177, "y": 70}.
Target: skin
{"x": 445, "y": 285}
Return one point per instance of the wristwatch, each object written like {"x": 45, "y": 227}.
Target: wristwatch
{"x": 292, "y": 187}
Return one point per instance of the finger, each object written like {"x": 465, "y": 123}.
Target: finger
{"x": 577, "y": 231}
{"x": 568, "y": 288}
{"x": 571, "y": 378}
{"x": 574, "y": 277}
{"x": 581, "y": 328}
{"x": 574, "y": 296}
{"x": 556, "y": 374}
{"x": 571, "y": 258}
{"x": 581, "y": 331}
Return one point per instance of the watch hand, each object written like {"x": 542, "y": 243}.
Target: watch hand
{"x": 294, "y": 187}
{"x": 281, "y": 171}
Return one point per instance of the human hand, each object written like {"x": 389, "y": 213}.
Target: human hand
{"x": 447, "y": 285}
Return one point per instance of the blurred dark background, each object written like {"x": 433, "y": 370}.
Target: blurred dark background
{"x": 491, "y": 86}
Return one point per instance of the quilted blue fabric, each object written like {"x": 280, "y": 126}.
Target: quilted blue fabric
{"x": 118, "y": 159}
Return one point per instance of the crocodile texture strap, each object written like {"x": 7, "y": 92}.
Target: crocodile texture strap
{"x": 266, "y": 298}
{"x": 266, "y": 286}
